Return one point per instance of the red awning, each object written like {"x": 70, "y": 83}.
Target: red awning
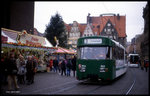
{"x": 64, "y": 50}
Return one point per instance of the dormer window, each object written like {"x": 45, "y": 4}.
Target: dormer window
{"x": 108, "y": 24}
{"x": 112, "y": 29}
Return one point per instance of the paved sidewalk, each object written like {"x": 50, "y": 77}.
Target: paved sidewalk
{"x": 42, "y": 80}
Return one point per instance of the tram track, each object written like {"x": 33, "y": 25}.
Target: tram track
{"x": 88, "y": 86}
{"x": 85, "y": 83}
{"x": 51, "y": 88}
{"x": 132, "y": 85}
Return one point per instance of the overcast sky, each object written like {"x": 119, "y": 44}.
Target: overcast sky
{"x": 78, "y": 11}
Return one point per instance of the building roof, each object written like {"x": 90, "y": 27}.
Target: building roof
{"x": 82, "y": 28}
{"x": 119, "y": 23}
{"x": 98, "y": 24}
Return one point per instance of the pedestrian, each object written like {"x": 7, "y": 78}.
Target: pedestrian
{"x": 146, "y": 64}
{"x": 47, "y": 63}
{"x": 21, "y": 69}
{"x": 30, "y": 66}
{"x": 63, "y": 67}
{"x": 55, "y": 64}
{"x": 68, "y": 66}
{"x": 59, "y": 65}
{"x": 3, "y": 74}
{"x": 12, "y": 70}
{"x": 51, "y": 64}
{"x": 139, "y": 62}
{"x": 142, "y": 65}
{"x": 74, "y": 65}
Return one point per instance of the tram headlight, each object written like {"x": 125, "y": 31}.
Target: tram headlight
{"x": 82, "y": 68}
{"x": 79, "y": 66}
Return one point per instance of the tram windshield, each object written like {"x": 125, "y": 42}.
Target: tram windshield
{"x": 94, "y": 53}
{"x": 134, "y": 59}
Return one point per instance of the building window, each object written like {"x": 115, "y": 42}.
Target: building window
{"x": 108, "y": 30}
{"x": 108, "y": 24}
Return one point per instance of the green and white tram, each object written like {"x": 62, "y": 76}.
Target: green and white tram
{"x": 100, "y": 58}
{"x": 134, "y": 60}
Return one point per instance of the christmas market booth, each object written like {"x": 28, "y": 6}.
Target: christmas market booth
{"x": 63, "y": 52}
{"x": 26, "y": 44}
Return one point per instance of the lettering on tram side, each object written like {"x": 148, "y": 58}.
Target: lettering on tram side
{"x": 102, "y": 68}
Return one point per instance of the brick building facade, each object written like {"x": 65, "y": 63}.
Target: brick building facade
{"x": 108, "y": 25}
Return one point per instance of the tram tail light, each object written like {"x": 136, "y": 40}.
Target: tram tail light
{"x": 106, "y": 69}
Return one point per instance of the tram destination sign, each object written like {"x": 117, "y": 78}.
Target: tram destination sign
{"x": 92, "y": 41}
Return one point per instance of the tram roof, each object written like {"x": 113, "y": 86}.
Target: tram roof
{"x": 115, "y": 42}
{"x": 118, "y": 44}
{"x": 134, "y": 54}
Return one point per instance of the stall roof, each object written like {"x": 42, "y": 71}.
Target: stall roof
{"x": 12, "y": 36}
{"x": 9, "y": 39}
{"x": 48, "y": 44}
{"x": 64, "y": 50}
{"x": 59, "y": 50}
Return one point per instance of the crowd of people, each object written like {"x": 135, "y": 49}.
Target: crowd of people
{"x": 63, "y": 65}
{"x": 14, "y": 69}
{"x": 19, "y": 69}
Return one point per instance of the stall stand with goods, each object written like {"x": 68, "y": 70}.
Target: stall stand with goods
{"x": 26, "y": 44}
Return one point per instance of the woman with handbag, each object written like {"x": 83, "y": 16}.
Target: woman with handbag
{"x": 12, "y": 70}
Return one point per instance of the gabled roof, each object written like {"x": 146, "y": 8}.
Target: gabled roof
{"x": 118, "y": 22}
{"x": 68, "y": 27}
{"x": 82, "y": 28}
{"x": 98, "y": 24}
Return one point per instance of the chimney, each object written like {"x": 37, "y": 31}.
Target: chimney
{"x": 118, "y": 16}
{"x": 88, "y": 18}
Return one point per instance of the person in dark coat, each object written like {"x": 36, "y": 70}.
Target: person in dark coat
{"x": 3, "y": 75}
{"x": 30, "y": 67}
{"x": 21, "y": 69}
{"x": 55, "y": 64}
{"x": 74, "y": 65}
{"x": 63, "y": 67}
{"x": 12, "y": 70}
{"x": 3, "y": 69}
{"x": 146, "y": 64}
{"x": 68, "y": 66}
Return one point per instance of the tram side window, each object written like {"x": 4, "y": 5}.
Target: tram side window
{"x": 79, "y": 53}
{"x": 114, "y": 53}
{"x": 108, "y": 53}
{"x": 120, "y": 53}
{"x": 117, "y": 53}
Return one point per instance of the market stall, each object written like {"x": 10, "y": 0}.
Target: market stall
{"x": 25, "y": 44}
